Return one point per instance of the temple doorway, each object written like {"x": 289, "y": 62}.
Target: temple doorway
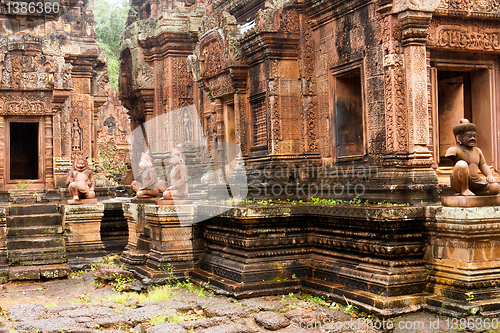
{"x": 23, "y": 151}
{"x": 462, "y": 91}
{"x": 464, "y": 94}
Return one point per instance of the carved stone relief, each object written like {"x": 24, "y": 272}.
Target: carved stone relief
{"x": 454, "y": 34}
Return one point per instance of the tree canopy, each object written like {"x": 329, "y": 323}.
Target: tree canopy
{"x": 110, "y": 17}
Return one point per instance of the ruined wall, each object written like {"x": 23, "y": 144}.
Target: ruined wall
{"x": 52, "y": 74}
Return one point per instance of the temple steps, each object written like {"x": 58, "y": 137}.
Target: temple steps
{"x": 33, "y": 209}
{"x": 33, "y": 220}
{"x": 33, "y": 258}
{"x": 35, "y": 241}
{"x": 31, "y": 231}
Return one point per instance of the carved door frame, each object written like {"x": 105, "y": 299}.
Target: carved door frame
{"x": 40, "y": 181}
{"x": 491, "y": 69}
{"x": 333, "y": 74}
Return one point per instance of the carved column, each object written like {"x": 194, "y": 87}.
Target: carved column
{"x": 408, "y": 160}
{"x": 414, "y": 37}
{"x": 2, "y": 150}
{"x": 221, "y": 147}
{"x": 394, "y": 89}
{"x": 239, "y": 119}
{"x": 49, "y": 154}
{"x": 4, "y": 271}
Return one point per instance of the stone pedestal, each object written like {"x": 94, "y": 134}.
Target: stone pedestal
{"x": 472, "y": 201}
{"x": 138, "y": 234}
{"x": 255, "y": 250}
{"x": 373, "y": 255}
{"x": 176, "y": 243}
{"x": 464, "y": 257}
{"x": 82, "y": 229}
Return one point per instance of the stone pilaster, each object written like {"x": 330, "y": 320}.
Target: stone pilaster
{"x": 464, "y": 257}
{"x": 4, "y": 271}
{"x": 414, "y": 36}
{"x": 407, "y": 175}
{"x": 82, "y": 229}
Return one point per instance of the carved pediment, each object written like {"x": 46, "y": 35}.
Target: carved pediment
{"x": 212, "y": 57}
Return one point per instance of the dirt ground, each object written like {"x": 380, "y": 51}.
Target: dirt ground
{"x": 76, "y": 305}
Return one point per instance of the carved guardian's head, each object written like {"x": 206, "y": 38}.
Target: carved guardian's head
{"x": 80, "y": 163}
{"x": 465, "y": 133}
{"x": 146, "y": 161}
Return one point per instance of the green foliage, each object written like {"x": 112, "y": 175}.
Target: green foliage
{"x": 23, "y": 185}
{"x": 110, "y": 18}
{"x": 97, "y": 283}
{"x": 158, "y": 319}
{"x": 470, "y": 296}
{"x": 327, "y": 201}
{"x": 355, "y": 201}
{"x": 75, "y": 274}
{"x": 110, "y": 259}
{"x": 319, "y": 300}
{"x": 349, "y": 308}
{"x": 120, "y": 282}
{"x": 109, "y": 162}
{"x": 194, "y": 289}
{"x": 82, "y": 299}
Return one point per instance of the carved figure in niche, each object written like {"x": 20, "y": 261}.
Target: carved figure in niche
{"x": 467, "y": 159}
{"x": 110, "y": 123}
{"x": 78, "y": 178}
{"x": 178, "y": 188}
{"x": 187, "y": 134}
{"x": 76, "y": 135}
{"x": 148, "y": 187}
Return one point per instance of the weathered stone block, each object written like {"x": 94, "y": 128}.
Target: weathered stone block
{"x": 464, "y": 255}
{"x": 175, "y": 240}
{"x": 82, "y": 225}
{"x": 24, "y": 273}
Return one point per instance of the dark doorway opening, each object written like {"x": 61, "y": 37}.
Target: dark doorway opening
{"x": 464, "y": 94}
{"x": 23, "y": 150}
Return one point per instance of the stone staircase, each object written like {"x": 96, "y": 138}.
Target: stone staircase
{"x": 35, "y": 242}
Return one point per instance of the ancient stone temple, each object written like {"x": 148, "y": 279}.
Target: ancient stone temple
{"x": 326, "y": 99}
{"x": 345, "y": 86}
{"x": 53, "y": 78}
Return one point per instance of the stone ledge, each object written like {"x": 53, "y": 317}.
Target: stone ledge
{"x": 471, "y": 201}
